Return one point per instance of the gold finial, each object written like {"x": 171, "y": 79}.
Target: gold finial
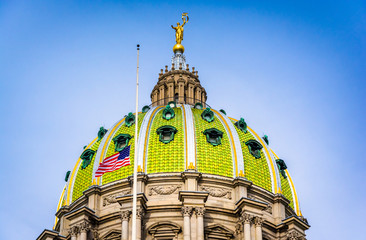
{"x": 179, "y": 33}
{"x": 94, "y": 183}
{"x": 139, "y": 169}
{"x": 191, "y": 166}
{"x": 241, "y": 174}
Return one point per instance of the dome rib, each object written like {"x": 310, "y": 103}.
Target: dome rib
{"x": 143, "y": 136}
{"x": 146, "y": 142}
{"x": 190, "y": 137}
{"x": 235, "y": 143}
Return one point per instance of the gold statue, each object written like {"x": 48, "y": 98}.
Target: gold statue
{"x": 179, "y": 33}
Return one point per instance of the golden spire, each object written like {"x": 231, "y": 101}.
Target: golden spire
{"x": 179, "y": 33}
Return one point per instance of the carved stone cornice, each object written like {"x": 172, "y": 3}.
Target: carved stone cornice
{"x": 125, "y": 215}
{"x": 217, "y": 192}
{"x": 187, "y": 211}
{"x": 200, "y": 211}
{"x": 164, "y": 190}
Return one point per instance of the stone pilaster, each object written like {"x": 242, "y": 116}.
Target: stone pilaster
{"x": 247, "y": 219}
{"x": 140, "y": 213}
{"x": 187, "y": 212}
{"x": 84, "y": 228}
{"x": 125, "y": 216}
{"x": 258, "y": 228}
{"x": 200, "y": 212}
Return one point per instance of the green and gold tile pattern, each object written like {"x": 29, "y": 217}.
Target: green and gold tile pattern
{"x": 286, "y": 190}
{"x": 167, "y": 157}
{"x": 255, "y": 169}
{"x": 126, "y": 171}
{"x": 84, "y": 176}
{"x": 212, "y": 159}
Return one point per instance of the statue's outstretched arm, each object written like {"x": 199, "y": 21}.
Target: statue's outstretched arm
{"x": 173, "y": 27}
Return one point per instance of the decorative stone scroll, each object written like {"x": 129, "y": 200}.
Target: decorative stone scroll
{"x": 246, "y": 218}
{"x": 125, "y": 215}
{"x": 294, "y": 235}
{"x": 164, "y": 190}
{"x": 108, "y": 200}
{"x": 217, "y": 192}
{"x": 258, "y": 221}
{"x": 269, "y": 208}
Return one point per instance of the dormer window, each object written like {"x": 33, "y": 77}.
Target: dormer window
{"x": 168, "y": 113}
{"x": 242, "y": 125}
{"x": 198, "y": 105}
{"x": 282, "y": 167}
{"x": 254, "y": 148}
{"x": 121, "y": 141}
{"x": 213, "y": 136}
{"x": 207, "y": 115}
{"x": 166, "y": 133}
{"x": 87, "y": 157}
{"x": 145, "y": 109}
{"x": 102, "y": 131}
{"x": 172, "y": 104}
{"x": 130, "y": 119}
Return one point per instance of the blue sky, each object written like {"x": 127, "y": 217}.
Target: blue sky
{"x": 294, "y": 71}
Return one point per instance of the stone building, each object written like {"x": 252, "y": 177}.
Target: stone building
{"x": 202, "y": 175}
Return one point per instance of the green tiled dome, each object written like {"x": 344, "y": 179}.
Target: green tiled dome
{"x": 215, "y": 146}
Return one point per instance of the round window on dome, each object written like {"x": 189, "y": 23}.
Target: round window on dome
{"x": 130, "y": 119}
{"x": 168, "y": 113}
{"x": 208, "y": 115}
{"x": 87, "y": 157}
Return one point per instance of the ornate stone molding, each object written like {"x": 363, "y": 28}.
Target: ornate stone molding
{"x": 200, "y": 211}
{"x": 269, "y": 208}
{"x": 294, "y": 235}
{"x": 125, "y": 215}
{"x": 258, "y": 221}
{"x": 187, "y": 211}
{"x": 246, "y": 218}
{"x": 110, "y": 199}
{"x": 217, "y": 192}
{"x": 164, "y": 190}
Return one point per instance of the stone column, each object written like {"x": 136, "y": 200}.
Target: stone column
{"x": 200, "y": 211}
{"x": 181, "y": 90}
{"x": 84, "y": 227}
{"x": 73, "y": 232}
{"x": 125, "y": 216}
{"x": 139, "y": 216}
{"x": 187, "y": 211}
{"x": 162, "y": 95}
{"x": 246, "y": 222}
{"x": 258, "y": 228}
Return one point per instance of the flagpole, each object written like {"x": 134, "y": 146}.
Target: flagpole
{"x": 134, "y": 201}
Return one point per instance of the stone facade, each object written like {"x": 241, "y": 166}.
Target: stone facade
{"x": 188, "y": 205}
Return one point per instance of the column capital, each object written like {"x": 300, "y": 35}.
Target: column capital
{"x": 84, "y": 226}
{"x": 258, "y": 221}
{"x": 246, "y": 218}
{"x": 73, "y": 231}
{"x": 200, "y": 211}
{"x": 140, "y": 213}
{"x": 187, "y": 210}
{"x": 125, "y": 215}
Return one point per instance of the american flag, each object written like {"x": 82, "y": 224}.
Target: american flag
{"x": 114, "y": 162}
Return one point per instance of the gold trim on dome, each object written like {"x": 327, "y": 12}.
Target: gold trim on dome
{"x": 71, "y": 184}
{"x": 232, "y": 140}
